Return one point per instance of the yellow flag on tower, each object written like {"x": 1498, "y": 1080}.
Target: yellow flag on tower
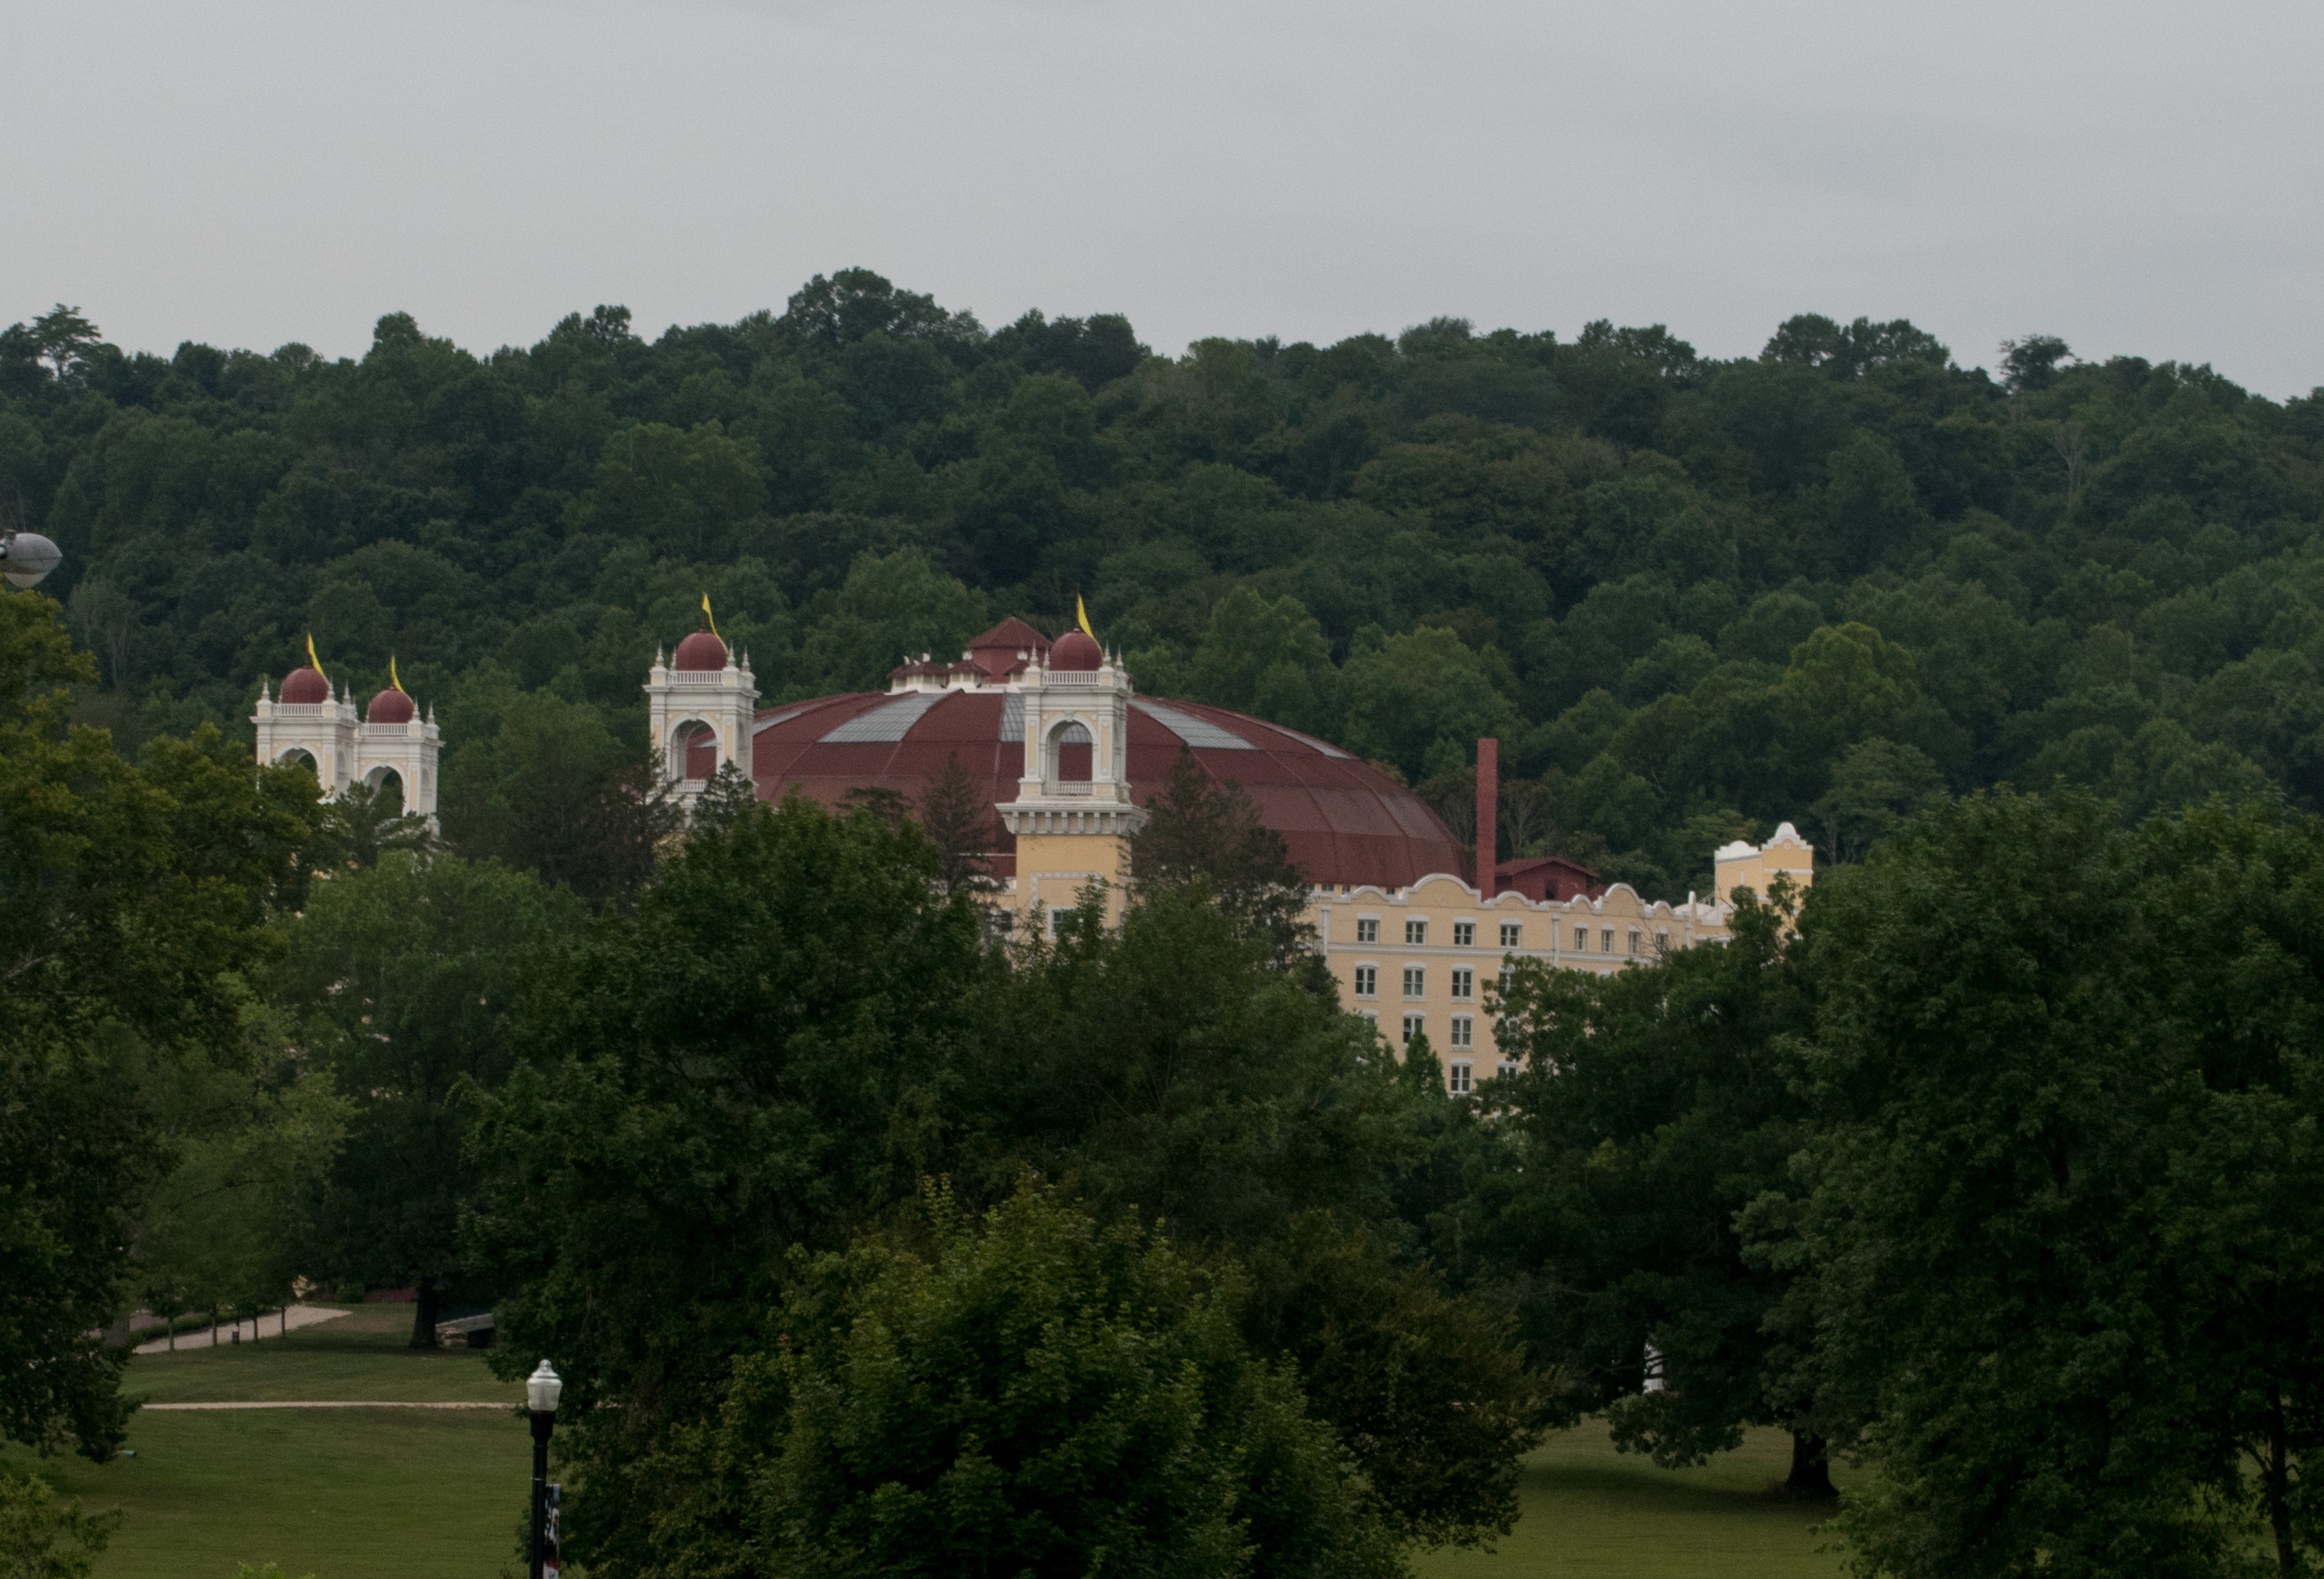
{"x": 1081, "y": 616}
{"x": 314, "y": 663}
{"x": 392, "y": 678}
{"x": 711, "y": 617}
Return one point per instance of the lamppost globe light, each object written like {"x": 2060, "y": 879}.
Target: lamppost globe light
{"x": 542, "y": 1390}
{"x": 25, "y": 557}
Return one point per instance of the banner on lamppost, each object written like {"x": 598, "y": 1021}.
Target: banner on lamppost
{"x": 548, "y": 1561}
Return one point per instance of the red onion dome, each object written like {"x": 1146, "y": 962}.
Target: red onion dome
{"x": 390, "y": 707}
{"x": 699, "y": 651}
{"x": 303, "y": 686}
{"x": 1074, "y": 650}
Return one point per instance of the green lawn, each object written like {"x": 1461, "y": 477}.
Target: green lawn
{"x": 1584, "y": 1509}
{"x": 360, "y": 1356}
{"x": 340, "y": 1494}
{"x": 414, "y": 1494}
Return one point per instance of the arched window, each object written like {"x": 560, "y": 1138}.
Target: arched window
{"x": 299, "y": 756}
{"x": 1071, "y": 742}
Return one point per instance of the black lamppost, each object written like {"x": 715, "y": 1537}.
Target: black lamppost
{"x": 541, "y": 1392}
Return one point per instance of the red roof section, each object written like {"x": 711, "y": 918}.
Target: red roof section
{"x": 304, "y": 687}
{"x": 998, "y": 651}
{"x": 1550, "y": 877}
{"x": 1344, "y": 821}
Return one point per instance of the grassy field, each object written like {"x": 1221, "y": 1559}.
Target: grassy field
{"x": 360, "y": 1356}
{"x": 413, "y": 1494}
{"x": 1586, "y": 1511}
{"x": 341, "y": 1494}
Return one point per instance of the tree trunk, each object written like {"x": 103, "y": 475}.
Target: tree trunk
{"x": 1810, "y": 1470}
{"x": 423, "y": 1313}
{"x": 2278, "y": 1481}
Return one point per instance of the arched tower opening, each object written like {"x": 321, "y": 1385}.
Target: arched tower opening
{"x": 1070, "y": 743}
{"x": 685, "y": 736}
{"x": 387, "y": 782}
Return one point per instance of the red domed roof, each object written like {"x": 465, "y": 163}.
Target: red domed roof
{"x": 390, "y": 707}
{"x": 1344, "y": 821}
{"x": 303, "y": 686}
{"x": 700, "y": 650}
{"x": 1075, "y": 650}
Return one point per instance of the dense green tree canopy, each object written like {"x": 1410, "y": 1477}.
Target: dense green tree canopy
{"x": 133, "y": 899}
{"x": 403, "y": 977}
{"x": 1033, "y": 1395}
{"x": 1608, "y": 550}
{"x": 1645, "y": 1110}
{"x": 2058, "y": 1228}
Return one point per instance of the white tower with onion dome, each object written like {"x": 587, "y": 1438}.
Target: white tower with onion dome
{"x": 312, "y": 723}
{"x": 702, "y": 696}
{"x": 1073, "y": 817}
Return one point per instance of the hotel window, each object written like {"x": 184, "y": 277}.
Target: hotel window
{"x": 1416, "y": 933}
{"x": 1411, "y": 1027}
{"x": 1662, "y": 941}
{"x": 1415, "y": 982}
{"x": 1508, "y": 1067}
{"x": 1368, "y": 929}
{"x": 1464, "y": 934}
{"x": 1372, "y": 1015}
{"x": 1507, "y": 976}
{"x": 1511, "y": 932}
{"x": 1606, "y": 941}
{"x": 1464, "y": 983}
{"x": 1580, "y": 939}
{"x": 1461, "y": 1077}
{"x": 1465, "y": 1032}
{"x": 1634, "y": 943}
{"x": 1368, "y": 981}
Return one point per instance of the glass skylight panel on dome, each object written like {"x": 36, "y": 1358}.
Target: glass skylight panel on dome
{"x": 784, "y": 716}
{"x": 1327, "y": 747}
{"x": 886, "y": 722}
{"x": 1200, "y": 733}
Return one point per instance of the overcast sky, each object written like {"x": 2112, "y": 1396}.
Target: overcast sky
{"x": 2139, "y": 178}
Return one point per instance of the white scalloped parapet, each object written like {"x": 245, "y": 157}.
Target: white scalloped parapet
{"x": 1756, "y": 866}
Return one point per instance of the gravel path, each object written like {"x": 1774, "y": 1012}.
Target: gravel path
{"x": 348, "y": 1404}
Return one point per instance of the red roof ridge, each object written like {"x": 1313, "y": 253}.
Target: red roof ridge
{"x": 1012, "y": 633}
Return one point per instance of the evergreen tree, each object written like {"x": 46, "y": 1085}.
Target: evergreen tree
{"x": 959, "y": 822}
{"x": 1199, "y": 829}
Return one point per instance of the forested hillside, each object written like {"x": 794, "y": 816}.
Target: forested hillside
{"x": 1692, "y": 597}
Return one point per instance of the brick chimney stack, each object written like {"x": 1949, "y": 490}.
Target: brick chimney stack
{"x": 1489, "y": 806}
